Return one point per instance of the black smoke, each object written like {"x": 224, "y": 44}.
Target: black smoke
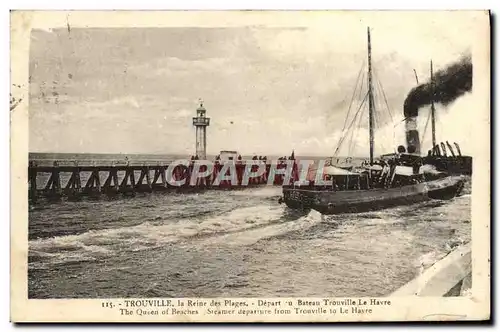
{"x": 449, "y": 84}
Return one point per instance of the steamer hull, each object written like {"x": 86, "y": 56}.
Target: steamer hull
{"x": 354, "y": 201}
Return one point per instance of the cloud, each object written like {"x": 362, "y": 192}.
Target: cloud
{"x": 125, "y": 101}
{"x": 174, "y": 67}
{"x": 265, "y": 90}
{"x": 181, "y": 114}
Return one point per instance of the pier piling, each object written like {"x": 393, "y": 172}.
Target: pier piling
{"x": 128, "y": 179}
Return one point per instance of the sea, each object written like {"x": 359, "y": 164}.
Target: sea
{"x": 238, "y": 243}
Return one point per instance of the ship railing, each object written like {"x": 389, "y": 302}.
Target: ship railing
{"x": 450, "y": 276}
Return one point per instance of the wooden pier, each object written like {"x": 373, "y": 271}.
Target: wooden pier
{"x": 76, "y": 181}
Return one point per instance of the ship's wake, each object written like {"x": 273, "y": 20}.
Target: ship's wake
{"x": 252, "y": 236}
{"x": 245, "y": 223}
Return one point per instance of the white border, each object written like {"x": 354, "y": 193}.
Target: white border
{"x": 145, "y": 4}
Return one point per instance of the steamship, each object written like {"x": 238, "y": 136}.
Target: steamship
{"x": 399, "y": 178}
{"x": 456, "y": 80}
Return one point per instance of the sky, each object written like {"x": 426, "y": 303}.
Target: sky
{"x": 267, "y": 90}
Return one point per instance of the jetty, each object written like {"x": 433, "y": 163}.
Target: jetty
{"x": 75, "y": 181}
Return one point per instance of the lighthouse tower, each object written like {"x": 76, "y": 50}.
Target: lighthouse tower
{"x": 201, "y": 122}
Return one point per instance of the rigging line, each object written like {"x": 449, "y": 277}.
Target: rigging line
{"x": 425, "y": 128}
{"x": 376, "y": 127}
{"x": 349, "y": 152}
{"x": 385, "y": 97}
{"x": 403, "y": 120}
{"x": 362, "y": 82}
{"x": 374, "y": 98}
{"x": 358, "y": 111}
{"x": 353, "y": 142}
{"x": 353, "y": 94}
{"x": 352, "y": 99}
{"x": 385, "y": 100}
{"x": 379, "y": 118}
{"x": 362, "y": 100}
{"x": 342, "y": 138}
{"x": 351, "y": 134}
{"x": 355, "y": 129}
{"x": 376, "y": 118}
{"x": 380, "y": 115}
{"x": 379, "y": 105}
{"x": 380, "y": 123}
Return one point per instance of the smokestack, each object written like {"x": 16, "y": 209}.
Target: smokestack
{"x": 449, "y": 84}
{"x": 412, "y": 139}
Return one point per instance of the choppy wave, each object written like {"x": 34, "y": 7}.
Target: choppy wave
{"x": 95, "y": 244}
{"x": 253, "y": 235}
{"x": 268, "y": 191}
{"x": 235, "y": 243}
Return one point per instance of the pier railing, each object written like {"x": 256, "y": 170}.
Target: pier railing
{"x": 72, "y": 180}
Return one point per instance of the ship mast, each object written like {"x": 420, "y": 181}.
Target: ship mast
{"x": 433, "y": 111}
{"x": 370, "y": 96}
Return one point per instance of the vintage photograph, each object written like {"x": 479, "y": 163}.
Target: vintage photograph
{"x": 331, "y": 158}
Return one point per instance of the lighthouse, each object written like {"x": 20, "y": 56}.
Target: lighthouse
{"x": 201, "y": 122}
